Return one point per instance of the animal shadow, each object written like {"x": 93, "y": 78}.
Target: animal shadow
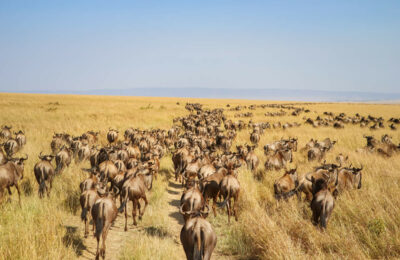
{"x": 72, "y": 239}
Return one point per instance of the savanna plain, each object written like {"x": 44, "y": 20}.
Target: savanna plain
{"x": 365, "y": 223}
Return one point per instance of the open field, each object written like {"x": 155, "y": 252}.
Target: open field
{"x": 365, "y": 223}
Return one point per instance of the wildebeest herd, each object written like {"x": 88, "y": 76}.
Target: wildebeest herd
{"x": 201, "y": 147}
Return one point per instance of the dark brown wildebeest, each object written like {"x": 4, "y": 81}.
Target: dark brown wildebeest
{"x": 197, "y": 236}
{"x": 5, "y": 132}
{"x": 229, "y": 189}
{"x": 10, "y": 173}
{"x": 20, "y": 137}
{"x": 287, "y": 185}
{"x": 11, "y": 147}
{"x": 63, "y": 159}
{"x": 134, "y": 189}
{"x": 87, "y": 200}
{"x": 323, "y": 201}
{"x": 112, "y": 136}
{"x": 279, "y": 159}
{"x": 104, "y": 212}
{"x": 44, "y": 173}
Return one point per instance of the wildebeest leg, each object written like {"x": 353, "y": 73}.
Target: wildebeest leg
{"x": 228, "y": 208}
{"x": 97, "y": 250}
{"x": 214, "y": 205}
{"x": 146, "y": 202}
{"x": 315, "y": 218}
{"x": 19, "y": 194}
{"x": 126, "y": 217}
{"x": 104, "y": 237}
{"x": 235, "y": 207}
{"x": 134, "y": 205}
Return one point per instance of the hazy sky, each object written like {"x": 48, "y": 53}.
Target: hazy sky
{"x": 324, "y": 45}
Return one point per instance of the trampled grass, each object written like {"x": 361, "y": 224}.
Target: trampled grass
{"x": 365, "y": 223}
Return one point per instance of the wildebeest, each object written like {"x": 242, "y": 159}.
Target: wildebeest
{"x": 20, "y": 138}
{"x": 63, "y": 159}
{"x": 322, "y": 203}
{"x": 112, "y": 136}
{"x": 44, "y": 173}
{"x": 87, "y": 200}
{"x": 349, "y": 178}
{"x": 10, "y": 173}
{"x": 5, "y": 132}
{"x": 104, "y": 212}
{"x": 3, "y": 158}
{"x": 316, "y": 153}
{"x": 11, "y": 147}
{"x": 279, "y": 159}
{"x": 229, "y": 189}
{"x": 287, "y": 185}
{"x": 191, "y": 201}
{"x": 134, "y": 189}
{"x": 197, "y": 236}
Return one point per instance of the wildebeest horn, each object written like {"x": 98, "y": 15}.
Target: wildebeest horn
{"x": 205, "y": 212}
{"x": 362, "y": 167}
{"x": 26, "y": 157}
{"x": 307, "y": 178}
{"x": 182, "y": 212}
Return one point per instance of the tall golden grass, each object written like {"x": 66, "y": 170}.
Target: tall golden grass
{"x": 365, "y": 223}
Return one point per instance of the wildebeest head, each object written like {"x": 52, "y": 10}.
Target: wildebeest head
{"x": 46, "y": 157}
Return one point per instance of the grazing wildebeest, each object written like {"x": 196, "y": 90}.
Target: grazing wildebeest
{"x": 104, "y": 212}
{"x": 287, "y": 185}
{"x": 197, "y": 236}
{"x": 10, "y": 173}
{"x": 44, "y": 173}
{"x": 134, "y": 189}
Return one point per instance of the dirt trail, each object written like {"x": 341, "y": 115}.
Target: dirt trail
{"x": 117, "y": 237}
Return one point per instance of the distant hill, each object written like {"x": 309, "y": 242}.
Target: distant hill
{"x": 267, "y": 94}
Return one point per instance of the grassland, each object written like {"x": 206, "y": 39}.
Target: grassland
{"x": 365, "y": 223}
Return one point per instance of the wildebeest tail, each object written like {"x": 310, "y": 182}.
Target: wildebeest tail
{"x": 59, "y": 165}
{"x": 85, "y": 207}
{"x": 125, "y": 199}
{"x": 324, "y": 215}
{"x": 100, "y": 221}
{"x": 228, "y": 197}
{"x": 198, "y": 250}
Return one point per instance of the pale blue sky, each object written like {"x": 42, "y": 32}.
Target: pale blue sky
{"x": 83, "y": 45}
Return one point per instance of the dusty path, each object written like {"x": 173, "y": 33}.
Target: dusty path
{"x": 117, "y": 237}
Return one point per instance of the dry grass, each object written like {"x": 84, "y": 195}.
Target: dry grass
{"x": 364, "y": 224}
